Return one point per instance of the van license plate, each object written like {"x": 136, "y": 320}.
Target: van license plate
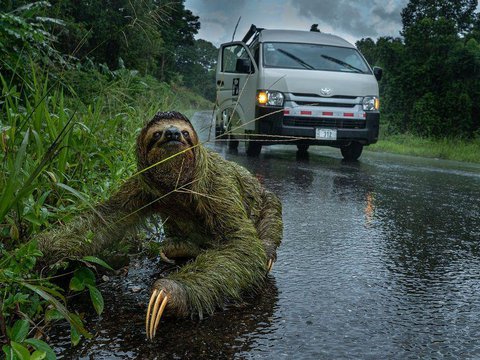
{"x": 326, "y": 134}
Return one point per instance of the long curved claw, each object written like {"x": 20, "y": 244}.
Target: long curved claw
{"x": 150, "y": 303}
{"x": 166, "y": 259}
{"x": 270, "y": 265}
{"x": 159, "y": 300}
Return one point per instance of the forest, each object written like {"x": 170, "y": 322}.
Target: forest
{"x": 431, "y": 86}
{"x": 78, "y": 78}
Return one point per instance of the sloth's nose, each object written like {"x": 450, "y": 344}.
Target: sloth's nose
{"x": 172, "y": 133}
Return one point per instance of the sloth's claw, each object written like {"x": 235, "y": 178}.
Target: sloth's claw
{"x": 270, "y": 265}
{"x": 159, "y": 300}
{"x": 166, "y": 259}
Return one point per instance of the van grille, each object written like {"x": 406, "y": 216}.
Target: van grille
{"x": 331, "y": 97}
{"x": 327, "y": 122}
{"x": 326, "y": 104}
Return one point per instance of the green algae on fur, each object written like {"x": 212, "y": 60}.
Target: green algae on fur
{"x": 214, "y": 211}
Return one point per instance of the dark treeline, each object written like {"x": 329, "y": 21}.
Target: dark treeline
{"x": 154, "y": 37}
{"x": 431, "y": 84}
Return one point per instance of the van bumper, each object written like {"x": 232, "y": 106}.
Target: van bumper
{"x": 301, "y": 130}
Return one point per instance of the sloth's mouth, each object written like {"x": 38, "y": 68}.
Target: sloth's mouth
{"x": 171, "y": 143}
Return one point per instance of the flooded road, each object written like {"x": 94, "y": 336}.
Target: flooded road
{"x": 380, "y": 259}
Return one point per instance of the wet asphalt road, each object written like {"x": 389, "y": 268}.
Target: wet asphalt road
{"x": 380, "y": 259}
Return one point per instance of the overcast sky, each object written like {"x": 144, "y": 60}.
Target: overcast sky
{"x": 351, "y": 20}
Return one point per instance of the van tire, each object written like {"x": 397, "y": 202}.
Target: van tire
{"x": 254, "y": 148}
{"x": 352, "y": 151}
{"x": 302, "y": 148}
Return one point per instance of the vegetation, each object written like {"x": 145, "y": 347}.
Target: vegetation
{"x": 451, "y": 149}
{"x": 77, "y": 83}
{"x": 431, "y": 86}
{"x": 78, "y": 80}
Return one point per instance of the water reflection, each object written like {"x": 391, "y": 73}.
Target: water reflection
{"x": 120, "y": 331}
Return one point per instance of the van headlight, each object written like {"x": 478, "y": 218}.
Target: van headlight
{"x": 371, "y": 103}
{"x": 272, "y": 98}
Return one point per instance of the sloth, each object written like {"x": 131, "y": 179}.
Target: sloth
{"x": 213, "y": 211}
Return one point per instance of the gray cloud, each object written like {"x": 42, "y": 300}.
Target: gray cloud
{"x": 359, "y": 18}
{"x": 350, "y": 19}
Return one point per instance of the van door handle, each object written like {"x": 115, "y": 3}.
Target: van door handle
{"x": 220, "y": 82}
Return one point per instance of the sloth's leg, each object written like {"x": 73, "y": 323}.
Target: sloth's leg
{"x": 173, "y": 248}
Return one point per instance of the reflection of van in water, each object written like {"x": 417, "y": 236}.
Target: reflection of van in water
{"x": 296, "y": 87}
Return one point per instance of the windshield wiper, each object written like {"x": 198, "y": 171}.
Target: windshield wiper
{"x": 300, "y": 61}
{"x": 343, "y": 63}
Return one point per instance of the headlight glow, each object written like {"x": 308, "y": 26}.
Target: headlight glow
{"x": 272, "y": 98}
{"x": 371, "y": 103}
{"x": 262, "y": 98}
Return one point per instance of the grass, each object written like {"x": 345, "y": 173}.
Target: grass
{"x": 62, "y": 149}
{"x": 448, "y": 149}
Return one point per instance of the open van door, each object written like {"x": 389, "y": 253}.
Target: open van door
{"x": 236, "y": 79}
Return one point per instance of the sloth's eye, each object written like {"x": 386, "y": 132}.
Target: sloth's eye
{"x": 156, "y": 135}
{"x": 185, "y": 133}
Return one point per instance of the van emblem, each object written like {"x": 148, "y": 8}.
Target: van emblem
{"x": 326, "y": 92}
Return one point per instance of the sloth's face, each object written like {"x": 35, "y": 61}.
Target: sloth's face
{"x": 167, "y": 138}
{"x": 169, "y": 143}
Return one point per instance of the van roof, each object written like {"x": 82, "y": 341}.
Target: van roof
{"x": 298, "y": 36}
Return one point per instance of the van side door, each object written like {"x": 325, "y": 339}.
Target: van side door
{"x": 236, "y": 79}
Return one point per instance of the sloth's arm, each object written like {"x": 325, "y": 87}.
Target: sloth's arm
{"x": 237, "y": 264}
{"x": 91, "y": 232}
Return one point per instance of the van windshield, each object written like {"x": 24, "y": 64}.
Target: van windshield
{"x": 313, "y": 57}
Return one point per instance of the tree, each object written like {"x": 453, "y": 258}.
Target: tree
{"x": 462, "y": 12}
{"x": 177, "y": 27}
{"x": 196, "y": 63}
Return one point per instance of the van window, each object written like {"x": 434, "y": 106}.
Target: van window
{"x": 313, "y": 57}
{"x": 230, "y": 55}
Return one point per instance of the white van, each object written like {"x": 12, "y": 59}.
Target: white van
{"x": 296, "y": 87}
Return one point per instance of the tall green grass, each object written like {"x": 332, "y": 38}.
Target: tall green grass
{"x": 450, "y": 149}
{"x": 66, "y": 142}
{"x": 59, "y": 152}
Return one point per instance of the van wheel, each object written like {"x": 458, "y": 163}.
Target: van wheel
{"x": 302, "y": 148}
{"x": 254, "y": 148}
{"x": 352, "y": 151}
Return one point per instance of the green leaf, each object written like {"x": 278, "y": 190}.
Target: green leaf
{"x": 74, "y": 320}
{"x": 19, "y": 331}
{"x": 74, "y": 336}
{"x": 82, "y": 277}
{"x": 98, "y": 261}
{"x": 8, "y": 351}
{"x": 20, "y": 351}
{"x": 52, "y": 315}
{"x": 76, "y": 284}
{"x": 81, "y": 197}
{"x": 7, "y": 198}
{"x": 85, "y": 275}
{"x": 38, "y": 355}
{"x": 97, "y": 299}
{"x": 42, "y": 346}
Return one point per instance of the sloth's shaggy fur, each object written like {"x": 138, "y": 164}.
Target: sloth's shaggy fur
{"x": 214, "y": 211}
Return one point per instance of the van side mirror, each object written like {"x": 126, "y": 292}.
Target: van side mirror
{"x": 243, "y": 66}
{"x": 378, "y": 72}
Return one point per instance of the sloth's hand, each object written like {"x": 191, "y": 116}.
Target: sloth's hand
{"x": 156, "y": 306}
{"x": 164, "y": 291}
